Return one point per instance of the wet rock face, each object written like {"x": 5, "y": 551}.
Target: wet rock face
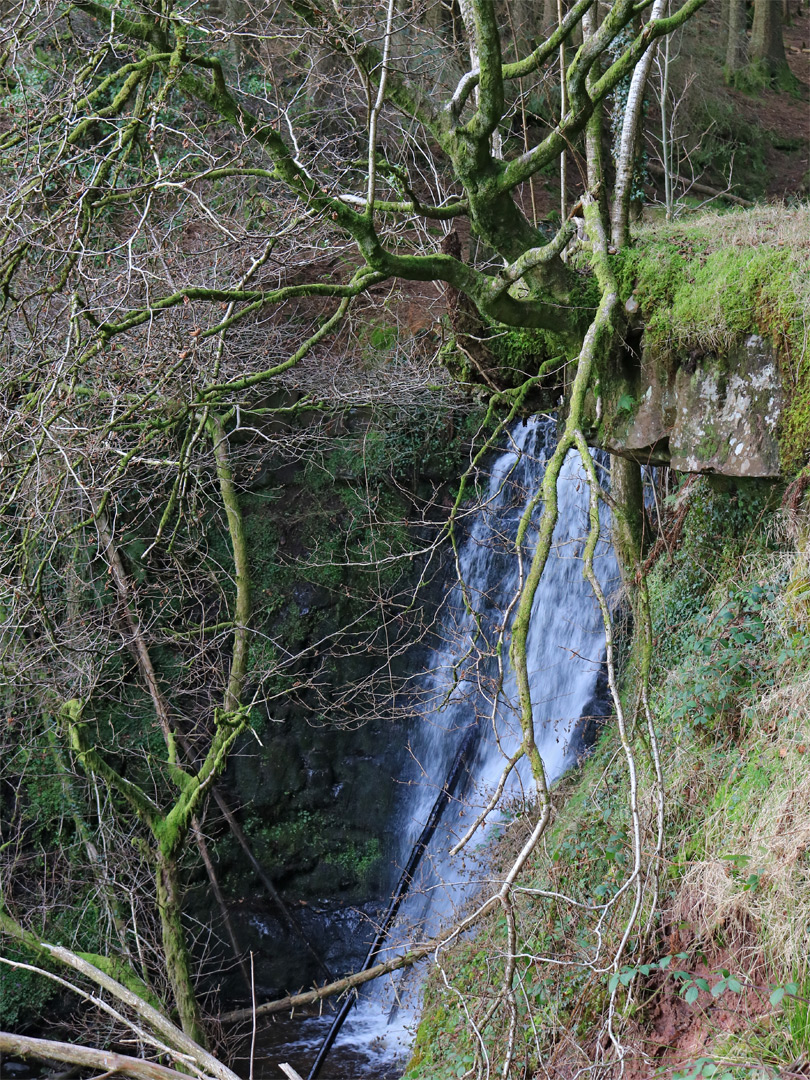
{"x": 712, "y": 414}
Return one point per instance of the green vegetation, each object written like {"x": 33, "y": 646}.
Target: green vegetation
{"x": 24, "y": 995}
{"x": 317, "y": 838}
{"x": 704, "y": 282}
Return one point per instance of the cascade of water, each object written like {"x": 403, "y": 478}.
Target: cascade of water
{"x": 460, "y": 689}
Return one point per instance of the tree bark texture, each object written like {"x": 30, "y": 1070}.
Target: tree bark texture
{"x": 175, "y": 950}
{"x": 736, "y": 42}
{"x": 629, "y": 144}
{"x": 84, "y": 1056}
{"x": 767, "y": 45}
{"x": 628, "y": 516}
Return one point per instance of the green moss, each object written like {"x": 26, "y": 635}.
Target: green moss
{"x": 24, "y": 995}
{"x": 746, "y": 784}
{"x": 521, "y": 353}
{"x": 358, "y": 858}
{"x": 695, "y": 298}
{"x": 794, "y": 427}
{"x": 709, "y": 444}
{"x": 124, "y": 974}
{"x": 315, "y": 843}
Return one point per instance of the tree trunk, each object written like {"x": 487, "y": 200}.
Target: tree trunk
{"x": 629, "y": 143}
{"x": 525, "y": 23}
{"x": 86, "y": 1057}
{"x": 628, "y": 519}
{"x": 178, "y": 963}
{"x": 766, "y": 34}
{"x": 735, "y": 46}
{"x": 767, "y": 44}
{"x": 549, "y": 16}
{"x": 245, "y": 48}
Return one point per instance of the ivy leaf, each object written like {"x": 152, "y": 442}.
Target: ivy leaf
{"x": 777, "y": 995}
{"x": 691, "y": 995}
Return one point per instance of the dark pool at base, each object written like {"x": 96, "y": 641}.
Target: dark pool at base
{"x": 355, "y": 1056}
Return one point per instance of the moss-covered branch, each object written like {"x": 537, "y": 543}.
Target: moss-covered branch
{"x": 599, "y": 337}
{"x": 519, "y": 69}
{"x": 124, "y": 987}
{"x": 236, "y": 531}
{"x": 490, "y": 104}
{"x": 94, "y": 762}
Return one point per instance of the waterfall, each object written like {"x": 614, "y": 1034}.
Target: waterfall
{"x": 565, "y": 650}
{"x": 459, "y": 692}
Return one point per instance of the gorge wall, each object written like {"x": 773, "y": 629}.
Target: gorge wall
{"x": 718, "y": 413}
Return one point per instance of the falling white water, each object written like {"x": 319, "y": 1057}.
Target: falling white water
{"x": 459, "y": 688}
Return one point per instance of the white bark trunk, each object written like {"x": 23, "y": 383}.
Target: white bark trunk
{"x": 625, "y": 163}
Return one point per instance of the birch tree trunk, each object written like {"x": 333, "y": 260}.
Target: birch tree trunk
{"x": 467, "y": 8}
{"x": 628, "y": 146}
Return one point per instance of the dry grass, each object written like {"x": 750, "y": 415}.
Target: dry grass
{"x": 747, "y": 804}
{"x": 773, "y": 225}
{"x": 753, "y": 883}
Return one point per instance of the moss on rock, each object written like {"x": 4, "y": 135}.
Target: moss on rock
{"x": 702, "y": 291}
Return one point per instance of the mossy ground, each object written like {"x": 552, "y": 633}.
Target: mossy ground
{"x": 732, "y": 644}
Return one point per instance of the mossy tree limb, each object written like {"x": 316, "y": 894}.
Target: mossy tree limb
{"x": 126, "y": 989}
{"x": 599, "y": 339}
{"x": 169, "y": 824}
{"x": 236, "y": 531}
{"x": 628, "y": 515}
{"x": 100, "y": 1061}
